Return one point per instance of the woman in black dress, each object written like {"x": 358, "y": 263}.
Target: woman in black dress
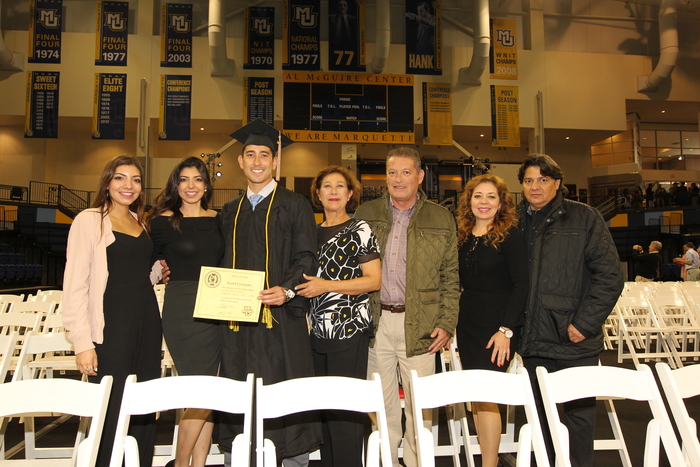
{"x": 494, "y": 276}
{"x": 109, "y": 306}
{"x": 188, "y": 235}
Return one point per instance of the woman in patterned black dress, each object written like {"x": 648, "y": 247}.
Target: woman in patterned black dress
{"x": 341, "y": 323}
{"x": 494, "y": 277}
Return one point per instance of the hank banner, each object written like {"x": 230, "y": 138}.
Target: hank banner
{"x": 45, "y": 31}
{"x": 259, "y": 100}
{"x": 504, "y": 49}
{"x": 259, "y": 39}
{"x": 437, "y": 113}
{"x": 346, "y": 35}
{"x": 175, "y": 107}
{"x": 112, "y": 33}
{"x": 41, "y": 114}
{"x": 505, "y": 116}
{"x": 109, "y": 106}
{"x": 423, "y": 37}
{"x": 176, "y": 35}
{"x": 300, "y": 35}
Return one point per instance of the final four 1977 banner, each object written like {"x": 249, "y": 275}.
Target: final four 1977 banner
{"x": 41, "y": 117}
{"x": 109, "y": 106}
{"x": 346, "y": 35}
{"x": 423, "y": 37}
{"x": 259, "y": 38}
{"x": 112, "y": 33}
{"x": 176, "y": 35}
{"x": 45, "y": 31}
{"x": 175, "y": 107}
{"x": 300, "y": 35}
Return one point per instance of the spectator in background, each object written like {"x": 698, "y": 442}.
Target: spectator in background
{"x": 689, "y": 263}
{"x": 646, "y": 265}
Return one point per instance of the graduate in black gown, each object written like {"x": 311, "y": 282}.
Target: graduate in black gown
{"x": 270, "y": 229}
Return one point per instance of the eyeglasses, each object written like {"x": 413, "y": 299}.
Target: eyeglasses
{"x": 544, "y": 181}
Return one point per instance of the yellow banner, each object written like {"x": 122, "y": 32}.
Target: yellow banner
{"x": 504, "y": 49}
{"x": 505, "y": 116}
{"x": 437, "y": 113}
{"x": 349, "y": 78}
{"x": 350, "y": 137}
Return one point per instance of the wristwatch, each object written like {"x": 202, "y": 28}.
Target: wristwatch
{"x": 290, "y": 294}
{"x": 506, "y": 331}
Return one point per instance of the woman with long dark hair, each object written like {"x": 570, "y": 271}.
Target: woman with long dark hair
{"x": 109, "y": 306}
{"x": 188, "y": 234}
{"x": 494, "y": 277}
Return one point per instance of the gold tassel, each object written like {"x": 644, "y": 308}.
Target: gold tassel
{"x": 234, "y": 326}
{"x": 267, "y": 316}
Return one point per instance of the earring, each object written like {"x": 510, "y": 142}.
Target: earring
{"x": 471, "y": 215}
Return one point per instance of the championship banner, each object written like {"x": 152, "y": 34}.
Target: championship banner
{"x": 45, "y": 31}
{"x": 503, "y": 63}
{"x": 259, "y": 100}
{"x": 41, "y": 114}
{"x": 175, "y": 107}
{"x": 301, "y": 35}
{"x": 109, "y": 106}
{"x": 437, "y": 114}
{"x": 423, "y": 37}
{"x": 112, "y": 33}
{"x": 346, "y": 35}
{"x": 176, "y": 35}
{"x": 259, "y": 38}
{"x": 505, "y": 117}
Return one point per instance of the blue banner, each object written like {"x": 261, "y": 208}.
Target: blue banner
{"x": 176, "y": 35}
{"x": 423, "y": 37}
{"x": 41, "y": 114}
{"x": 175, "y": 107}
{"x": 109, "y": 106}
{"x": 45, "y": 31}
{"x": 259, "y": 39}
{"x": 346, "y": 35}
{"x": 259, "y": 100}
{"x": 300, "y": 35}
{"x": 112, "y": 33}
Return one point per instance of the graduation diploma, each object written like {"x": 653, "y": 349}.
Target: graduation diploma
{"x": 229, "y": 294}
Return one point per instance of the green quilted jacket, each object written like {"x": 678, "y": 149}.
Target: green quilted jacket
{"x": 432, "y": 269}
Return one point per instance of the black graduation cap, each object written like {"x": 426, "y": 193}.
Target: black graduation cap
{"x": 260, "y": 133}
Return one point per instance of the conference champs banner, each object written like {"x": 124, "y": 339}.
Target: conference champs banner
{"x": 346, "y": 35}
{"x": 45, "y": 31}
{"x": 112, "y": 33}
{"x": 175, "y": 107}
{"x": 41, "y": 114}
{"x": 109, "y": 106}
{"x": 300, "y": 35}
{"x": 259, "y": 38}
{"x": 505, "y": 116}
{"x": 504, "y": 49}
{"x": 176, "y": 35}
{"x": 437, "y": 113}
{"x": 423, "y": 37}
{"x": 259, "y": 100}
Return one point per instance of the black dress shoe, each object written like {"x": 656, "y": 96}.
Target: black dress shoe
{"x": 171, "y": 463}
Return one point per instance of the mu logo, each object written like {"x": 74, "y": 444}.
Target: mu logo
{"x": 180, "y": 23}
{"x": 115, "y": 21}
{"x": 505, "y": 37}
{"x": 49, "y": 18}
{"x": 305, "y": 16}
{"x": 262, "y": 26}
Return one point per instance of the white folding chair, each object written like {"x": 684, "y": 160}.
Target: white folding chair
{"x": 34, "y": 307}
{"x": 61, "y": 396}
{"x": 321, "y": 393}
{"x": 606, "y": 381}
{"x": 678, "y": 385}
{"x": 7, "y": 347}
{"x": 456, "y": 387}
{"x": 7, "y": 300}
{"x": 180, "y": 392}
{"x": 37, "y": 360}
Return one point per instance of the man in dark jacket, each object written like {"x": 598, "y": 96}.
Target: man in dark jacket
{"x": 646, "y": 265}
{"x": 575, "y": 280}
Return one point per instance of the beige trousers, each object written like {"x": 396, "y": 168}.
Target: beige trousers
{"x": 388, "y": 353}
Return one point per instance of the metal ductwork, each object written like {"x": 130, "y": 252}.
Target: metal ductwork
{"x": 9, "y": 60}
{"x": 382, "y": 41}
{"x": 221, "y": 65}
{"x": 668, "y": 44}
{"x": 471, "y": 76}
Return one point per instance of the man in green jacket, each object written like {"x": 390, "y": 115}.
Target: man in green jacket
{"x": 415, "y": 313}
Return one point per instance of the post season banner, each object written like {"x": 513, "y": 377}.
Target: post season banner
{"x": 112, "y": 33}
{"x": 41, "y": 113}
{"x": 346, "y": 35}
{"x": 45, "y": 31}
{"x": 109, "y": 106}
{"x": 505, "y": 116}
{"x": 175, "y": 107}
{"x": 423, "y": 37}
{"x": 504, "y": 49}
{"x": 176, "y": 35}
{"x": 300, "y": 35}
{"x": 437, "y": 113}
{"x": 259, "y": 39}
{"x": 259, "y": 100}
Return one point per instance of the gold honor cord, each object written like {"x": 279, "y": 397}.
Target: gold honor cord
{"x": 267, "y": 312}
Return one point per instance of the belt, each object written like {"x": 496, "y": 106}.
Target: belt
{"x": 394, "y": 308}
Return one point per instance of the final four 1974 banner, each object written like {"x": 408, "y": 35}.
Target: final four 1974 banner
{"x": 45, "y": 31}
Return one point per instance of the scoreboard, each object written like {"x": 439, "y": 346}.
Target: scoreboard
{"x": 348, "y": 107}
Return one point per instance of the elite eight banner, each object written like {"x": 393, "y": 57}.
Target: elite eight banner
{"x": 109, "y": 106}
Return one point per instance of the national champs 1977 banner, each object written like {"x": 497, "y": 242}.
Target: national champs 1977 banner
{"x": 259, "y": 38}
{"x": 41, "y": 113}
{"x": 109, "y": 106}
{"x": 423, "y": 37}
{"x": 112, "y": 33}
{"x": 301, "y": 35}
{"x": 45, "y": 31}
{"x": 175, "y": 107}
{"x": 346, "y": 35}
{"x": 176, "y": 35}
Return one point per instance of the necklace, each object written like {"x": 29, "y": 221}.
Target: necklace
{"x": 470, "y": 257}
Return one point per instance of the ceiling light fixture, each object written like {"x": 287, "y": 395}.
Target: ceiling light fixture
{"x": 202, "y": 129}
